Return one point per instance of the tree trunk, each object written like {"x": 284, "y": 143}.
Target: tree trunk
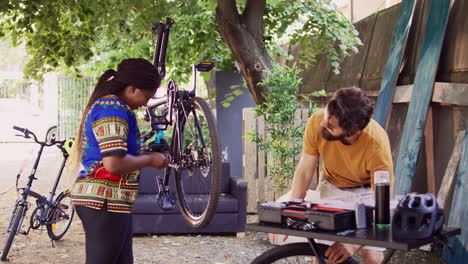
{"x": 244, "y": 36}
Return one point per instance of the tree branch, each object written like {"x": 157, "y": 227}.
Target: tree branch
{"x": 253, "y": 17}
{"x": 247, "y": 47}
{"x": 229, "y": 10}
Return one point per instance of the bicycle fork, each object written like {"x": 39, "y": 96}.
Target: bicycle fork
{"x": 25, "y": 205}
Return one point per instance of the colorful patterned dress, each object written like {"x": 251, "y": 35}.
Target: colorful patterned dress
{"x": 110, "y": 129}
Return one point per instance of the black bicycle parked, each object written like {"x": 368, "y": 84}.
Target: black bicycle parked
{"x": 54, "y": 213}
{"x": 195, "y": 146}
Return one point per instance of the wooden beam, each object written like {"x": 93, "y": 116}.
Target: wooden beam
{"x": 394, "y": 58}
{"x": 449, "y": 176}
{"x": 429, "y": 147}
{"x": 447, "y": 93}
{"x": 421, "y": 98}
{"x": 249, "y": 159}
{"x": 459, "y": 211}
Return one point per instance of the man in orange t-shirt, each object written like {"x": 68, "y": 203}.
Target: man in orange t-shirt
{"x": 352, "y": 147}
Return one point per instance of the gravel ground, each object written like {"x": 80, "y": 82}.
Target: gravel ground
{"x": 37, "y": 248}
{"x": 216, "y": 249}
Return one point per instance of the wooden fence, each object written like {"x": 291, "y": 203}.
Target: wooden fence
{"x": 260, "y": 187}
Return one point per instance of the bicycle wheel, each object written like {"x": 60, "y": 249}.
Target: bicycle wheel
{"x": 60, "y": 218}
{"x": 12, "y": 228}
{"x": 196, "y": 151}
{"x": 293, "y": 253}
{"x": 51, "y": 134}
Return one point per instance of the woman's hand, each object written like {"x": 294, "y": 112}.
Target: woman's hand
{"x": 159, "y": 160}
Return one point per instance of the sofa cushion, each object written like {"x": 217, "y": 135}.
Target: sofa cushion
{"x": 176, "y": 224}
{"x": 148, "y": 204}
{"x": 148, "y": 180}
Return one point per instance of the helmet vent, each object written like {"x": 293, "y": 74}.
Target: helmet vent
{"x": 427, "y": 219}
{"x": 429, "y": 202}
{"x": 416, "y": 202}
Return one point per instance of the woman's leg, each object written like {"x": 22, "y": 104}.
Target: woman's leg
{"x": 107, "y": 236}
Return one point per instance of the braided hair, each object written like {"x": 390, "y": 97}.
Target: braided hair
{"x": 135, "y": 71}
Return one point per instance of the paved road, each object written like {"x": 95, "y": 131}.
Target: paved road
{"x": 14, "y": 156}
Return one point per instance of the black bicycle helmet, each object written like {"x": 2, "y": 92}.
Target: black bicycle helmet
{"x": 417, "y": 216}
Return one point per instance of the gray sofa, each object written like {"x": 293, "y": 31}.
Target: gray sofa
{"x": 148, "y": 217}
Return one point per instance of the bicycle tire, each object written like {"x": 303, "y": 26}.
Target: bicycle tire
{"x": 198, "y": 189}
{"x": 12, "y": 229}
{"x": 281, "y": 253}
{"x": 65, "y": 202}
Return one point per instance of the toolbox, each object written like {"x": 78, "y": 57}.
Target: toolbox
{"x": 324, "y": 218}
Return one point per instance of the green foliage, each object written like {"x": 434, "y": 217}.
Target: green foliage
{"x": 283, "y": 131}
{"x": 88, "y": 37}
{"x": 237, "y": 90}
{"x": 317, "y": 28}
{"x": 91, "y": 36}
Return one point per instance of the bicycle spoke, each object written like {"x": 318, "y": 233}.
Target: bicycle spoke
{"x": 60, "y": 218}
{"x": 198, "y": 178}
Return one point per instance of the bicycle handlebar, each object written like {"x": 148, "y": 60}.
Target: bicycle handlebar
{"x": 27, "y": 134}
{"x": 20, "y": 129}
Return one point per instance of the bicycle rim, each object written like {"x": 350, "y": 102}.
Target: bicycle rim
{"x": 198, "y": 181}
{"x": 60, "y": 220}
{"x": 12, "y": 228}
{"x": 296, "y": 253}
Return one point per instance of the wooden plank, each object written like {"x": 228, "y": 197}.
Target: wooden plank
{"x": 379, "y": 49}
{"x": 429, "y": 147}
{"x": 448, "y": 93}
{"x": 458, "y": 119}
{"x": 392, "y": 68}
{"x": 459, "y": 211}
{"x": 451, "y": 93}
{"x": 454, "y": 59}
{"x": 423, "y": 87}
{"x": 249, "y": 161}
{"x": 261, "y": 164}
{"x": 270, "y": 192}
{"x": 352, "y": 67}
{"x": 452, "y": 166}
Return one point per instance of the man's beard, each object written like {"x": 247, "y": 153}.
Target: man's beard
{"x": 326, "y": 135}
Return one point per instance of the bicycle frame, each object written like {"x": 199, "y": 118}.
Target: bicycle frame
{"x": 179, "y": 109}
{"x": 44, "y": 202}
{"x": 175, "y": 103}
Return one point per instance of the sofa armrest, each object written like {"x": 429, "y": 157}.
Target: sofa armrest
{"x": 237, "y": 187}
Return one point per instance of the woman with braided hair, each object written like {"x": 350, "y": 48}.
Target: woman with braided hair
{"x": 108, "y": 145}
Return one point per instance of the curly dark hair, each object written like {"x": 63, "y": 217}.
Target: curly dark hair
{"x": 352, "y": 109}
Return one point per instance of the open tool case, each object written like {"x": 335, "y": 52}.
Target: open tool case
{"x": 324, "y": 218}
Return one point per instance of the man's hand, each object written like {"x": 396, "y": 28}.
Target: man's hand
{"x": 339, "y": 252}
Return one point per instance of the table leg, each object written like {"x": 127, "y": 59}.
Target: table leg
{"x": 388, "y": 256}
{"x": 316, "y": 251}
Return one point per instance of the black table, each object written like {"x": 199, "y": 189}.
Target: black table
{"x": 367, "y": 237}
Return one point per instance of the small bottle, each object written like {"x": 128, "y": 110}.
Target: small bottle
{"x": 382, "y": 199}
